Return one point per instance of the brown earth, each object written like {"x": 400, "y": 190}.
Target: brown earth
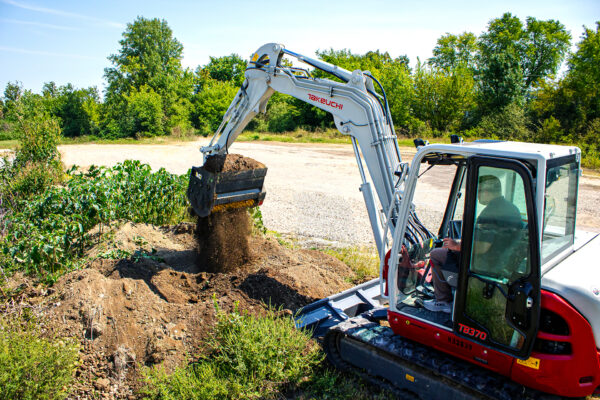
{"x": 223, "y": 240}
{"x": 145, "y": 299}
{"x": 223, "y": 236}
{"x": 231, "y": 163}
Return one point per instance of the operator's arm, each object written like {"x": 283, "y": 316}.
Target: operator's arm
{"x": 451, "y": 244}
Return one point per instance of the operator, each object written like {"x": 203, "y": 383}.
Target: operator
{"x": 494, "y": 232}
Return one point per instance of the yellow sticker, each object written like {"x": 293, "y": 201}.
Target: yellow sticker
{"x": 254, "y": 57}
{"x": 410, "y": 378}
{"x": 531, "y": 362}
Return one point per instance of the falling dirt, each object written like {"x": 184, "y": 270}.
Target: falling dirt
{"x": 223, "y": 240}
{"x": 145, "y": 299}
{"x": 223, "y": 236}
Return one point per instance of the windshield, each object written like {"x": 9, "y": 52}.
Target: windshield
{"x": 560, "y": 207}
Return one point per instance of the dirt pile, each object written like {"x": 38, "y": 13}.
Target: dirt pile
{"x": 231, "y": 163}
{"x": 223, "y": 236}
{"x": 146, "y": 300}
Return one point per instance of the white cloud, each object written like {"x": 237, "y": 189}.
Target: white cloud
{"x": 47, "y": 53}
{"x": 39, "y": 24}
{"x": 63, "y": 13}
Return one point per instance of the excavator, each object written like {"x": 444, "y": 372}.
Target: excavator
{"x": 523, "y": 324}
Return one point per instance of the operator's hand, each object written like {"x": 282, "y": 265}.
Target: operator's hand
{"x": 405, "y": 262}
{"x": 451, "y": 244}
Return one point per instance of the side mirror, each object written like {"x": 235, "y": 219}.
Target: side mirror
{"x": 455, "y": 139}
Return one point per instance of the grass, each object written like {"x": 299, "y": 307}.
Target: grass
{"x": 9, "y": 144}
{"x": 149, "y": 140}
{"x": 298, "y": 136}
{"x": 363, "y": 261}
{"x": 31, "y": 366}
{"x": 257, "y": 358}
{"x": 248, "y": 357}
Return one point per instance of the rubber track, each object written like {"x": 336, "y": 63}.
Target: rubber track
{"x": 440, "y": 370}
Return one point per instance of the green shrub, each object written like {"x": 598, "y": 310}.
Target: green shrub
{"x": 32, "y": 367}
{"x": 510, "y": 123}
{"x": 258, "y": 226}
{"x": 47, "y": 235}
{"x": 145, "y": 117}
{"x": 550, "y": 132}
{"x": 29, "y": 179}
{"x": 282, "y": 117}
{"x": 36, "y": 164}
{"x": 590, "y": 145}
{"x": 211, "y": 104}
{"x": 39, "y": 135}
{"x": 248, "y": 358}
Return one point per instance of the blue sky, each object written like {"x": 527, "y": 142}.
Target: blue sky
{"x": 68, "y": 41}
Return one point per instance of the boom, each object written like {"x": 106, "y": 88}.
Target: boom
{"x": 358, "y": 111}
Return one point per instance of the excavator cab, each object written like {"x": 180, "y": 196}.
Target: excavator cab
{"x": 495, "y": 278}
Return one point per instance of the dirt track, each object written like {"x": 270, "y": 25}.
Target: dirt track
{"x": 312, "y": 190}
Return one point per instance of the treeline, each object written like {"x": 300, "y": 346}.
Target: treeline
{"x": 501, "y": 84}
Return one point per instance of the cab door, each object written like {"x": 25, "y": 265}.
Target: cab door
{"x": 497, "y": 300}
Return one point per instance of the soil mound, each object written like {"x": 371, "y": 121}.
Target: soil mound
{"x": 231, "y": 163}
{"x": 145, "y": 299}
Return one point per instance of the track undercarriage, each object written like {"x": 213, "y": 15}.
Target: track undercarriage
{"x": 412, "y": 371}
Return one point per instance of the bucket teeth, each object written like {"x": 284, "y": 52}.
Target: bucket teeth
{"x": 210, "y": 192}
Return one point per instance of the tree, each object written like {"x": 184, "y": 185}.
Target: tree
{"x": 372, "y": 61}
{"x": 149, "y": 59}
{"x": 226, "y": 69}
{"x": 399, "y": 89}
{"x": 500, "y": 82}
{"x": 210, "y": 104}
{"x": 392, "y": 73}
{"x": 546, "y": 45}
{"x": 443, "y": 98}
{"x": 584, "y": 74}
{"x": 512, "y": 59}
{"x": 574, "y": 100}
{"x": 12, "y": 94}
{"x": 145, "y": 112}
{"x": 75, "y": 108}
{"x": 453, "y": 51}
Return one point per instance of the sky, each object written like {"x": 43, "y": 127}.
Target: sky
{"x": 68, "y": 41}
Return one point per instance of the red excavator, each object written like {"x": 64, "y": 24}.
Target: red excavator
{"x": 523, "y": 315}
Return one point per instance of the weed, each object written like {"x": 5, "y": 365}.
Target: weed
{"x": 140, "y": 255}
{"x": 49, "y": 234}
{"x": 327, "y": 384}
{"x": 114, "y": 254}
{"x": 364, "y": 262}
{"x": 32, "y": 367}
{"x": 258, "y": 226}
{"x": 249, "y": 357}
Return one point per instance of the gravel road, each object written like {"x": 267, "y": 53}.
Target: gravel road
{"x": 312, "y": 190}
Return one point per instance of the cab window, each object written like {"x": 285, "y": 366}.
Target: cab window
{"x": 560, "y": 204}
